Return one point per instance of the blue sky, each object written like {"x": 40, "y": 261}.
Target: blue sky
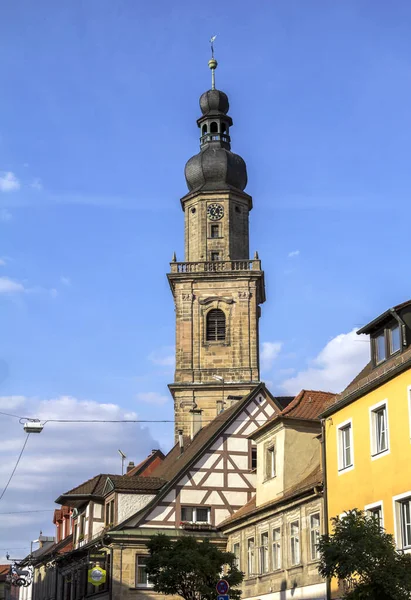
{"x": 97, "y": 119}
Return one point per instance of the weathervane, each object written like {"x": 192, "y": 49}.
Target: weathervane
{"x": 212, "y": 63}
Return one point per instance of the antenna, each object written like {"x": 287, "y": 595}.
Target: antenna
{"x": 123, "y": 458}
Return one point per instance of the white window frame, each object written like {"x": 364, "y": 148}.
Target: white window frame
{"x": 298, "y": 546}
{"x": 264, "y": 553}
{"x": 277, "y": 544}
{"x": 379, "y": 504}
{"x": 316, "y": 555}
{"x": 143, "y": 586}
{"x": 340, "y": 426}
{"x": 396, "y": 500}
{"x": 251, "y": 572}
{"x": 237, "y": 556}
{"x": 373, "y": 432}
{"x": 194, "y": 509}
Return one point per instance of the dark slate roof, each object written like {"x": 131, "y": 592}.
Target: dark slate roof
{"x": 91, "y": 487}
{"x": 312, "y": 480}
{"x": 375, "y": 323}
{"x": 136, "y": 483}
{"x": 369, "y": 378}
{"x": 284, "y": 400}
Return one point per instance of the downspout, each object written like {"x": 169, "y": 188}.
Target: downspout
{"x": 325, "y": 507}
{"x": 402, "y": 325}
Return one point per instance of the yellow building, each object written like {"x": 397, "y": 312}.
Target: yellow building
{"x": 367, "y": 432}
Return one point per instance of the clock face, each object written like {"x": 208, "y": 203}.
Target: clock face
{"x": 215, "y": 212}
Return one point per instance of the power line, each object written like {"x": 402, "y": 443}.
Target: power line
{"x": 24, "y": 512}
{"x": 15, "y": 466}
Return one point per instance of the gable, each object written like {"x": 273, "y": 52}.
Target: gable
{"x": 220, "y": 476}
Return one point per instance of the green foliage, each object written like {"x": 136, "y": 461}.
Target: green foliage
{"x": 360, "y": 552}
{"x": 189, "y": 568}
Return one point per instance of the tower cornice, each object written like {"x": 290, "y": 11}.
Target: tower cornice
{"x": 223, "y": 194}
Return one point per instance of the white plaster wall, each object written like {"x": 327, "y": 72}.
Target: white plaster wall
{"x": 97, "y": 527}
{"x": 98, "y": 511}
{"x": 129, "y": 504}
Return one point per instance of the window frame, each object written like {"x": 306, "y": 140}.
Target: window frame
{"x": 270, "y": 466}
{"x": 148, "y": 584}
{"x": 215, "y": 256}
{"x": 316, "y": 555}
{"x": 297, "y": 543}
{"x": 369, "y": 508}
{"x": 373, "y": 411}
{"x": 237, "y": 555}
{"x": 194, "y": 513}
{"x": 398, "y": 501}
{"x": 251, "y": 557}
{"x": 277, "y": 544}
{"x": 340, "y": 428}
{"x": 380, "y": 334}
{"x": 264, "y": 565}
{"x": 214, "y": 227}
{"x": 215, "y": 339}
{"x": 396, "y": 325}
{"x": 253, "y": 457}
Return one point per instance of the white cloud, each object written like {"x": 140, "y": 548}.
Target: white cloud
{"x": 65, "y": 280}
{"x": 10, "y": 286}
{"x": 61, "y": 457}
{"x": 8, "y": 182}
{"x": 36, "y": 184}
{"x": 293, "y": 253}
{"x": 152, "y": 398}
{"x": 164, "y": 356}
{"x": 5, "y": 215}
{"x": 335, "y": 366}
{"x": 268, "y": 354}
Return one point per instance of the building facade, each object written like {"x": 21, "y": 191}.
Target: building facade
{"x": 367, "y": 432}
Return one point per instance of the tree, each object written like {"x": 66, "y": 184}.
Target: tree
{"x": 361, "y": 553}
{"x": 190, "y": 568}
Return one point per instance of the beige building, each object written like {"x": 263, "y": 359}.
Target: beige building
{"x": 274, "y": 536}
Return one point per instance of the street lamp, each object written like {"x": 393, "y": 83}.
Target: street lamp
{"x": 219, "y": 378}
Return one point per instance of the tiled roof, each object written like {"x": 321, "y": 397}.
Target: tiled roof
{"x": 91, "y": 487}
{"x": 139, "y": 469}
{"x": 370, "y": 378}
{"x": 313, "y": 479}
{"x": 308, "y": 404}
{"x": 136, "y": 484}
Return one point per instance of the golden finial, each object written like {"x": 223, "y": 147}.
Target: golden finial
{"x": 212, "y": 63}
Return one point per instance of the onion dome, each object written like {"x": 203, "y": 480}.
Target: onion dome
{"x": 215, "y": 167}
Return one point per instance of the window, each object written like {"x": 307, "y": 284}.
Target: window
{"x": 214, "y": 127}
{"x": 345, "y": 451}
{"x": 141, "y": 573}
{"x": 402, "y": 513}
{"x": 276, "y": 549}
{"x": 375, "y": 511}
{"x": 270, "y": 463}
{"x": 395, "y": 339}
{"x": 223, "y": 127}
{"x": 379, "y": 348}
{"x": 215, "y": 231}
{"x": 109, "y": 518}
{"x": 295, "y": 542}
{"x": 314, "y": 535}
{"x": 236, "y": 552}
{"x": 204, "y": 130}
{"x": 215, "y": 330}
{"x": 195, "y": 514}
{"x": 250, "y": 556}
{"x": 264, "y": 553}
{"x": 379, "y": 428}
{"x": 215, "y": 256}
{"x": 253, "y": 458}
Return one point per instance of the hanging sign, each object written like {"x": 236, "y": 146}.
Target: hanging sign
{"x": 96, "y": 576}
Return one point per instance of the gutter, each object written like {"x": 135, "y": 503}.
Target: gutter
{"x": 325, "y": 498}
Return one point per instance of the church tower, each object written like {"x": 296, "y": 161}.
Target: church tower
{"x": 218, "y": 289}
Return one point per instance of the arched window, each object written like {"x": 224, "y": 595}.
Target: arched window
{"x": 223, "y": 128}
{"x": 214, "y": 127}
{"x": 204, "y": 129}
{"x": 215, "y": 330}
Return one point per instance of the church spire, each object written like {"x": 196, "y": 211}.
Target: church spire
{"x": 212, "y": 63}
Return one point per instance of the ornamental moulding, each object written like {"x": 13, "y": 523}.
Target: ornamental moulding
{"x": 216, "y": 299}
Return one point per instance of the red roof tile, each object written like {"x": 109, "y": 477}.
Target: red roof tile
{"x": 308, "y": 404}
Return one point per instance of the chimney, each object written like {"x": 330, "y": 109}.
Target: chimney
{"x": 154, "y": 450}
{"x": 196, "y": 422}
{"x": 181, "y": 440}
{"x": 130, "y": 466}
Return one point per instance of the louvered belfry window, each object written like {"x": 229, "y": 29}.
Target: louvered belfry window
{"x": 215, "y": 326}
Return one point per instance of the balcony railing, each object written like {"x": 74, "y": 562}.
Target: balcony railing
{"x": 215, "y": 266}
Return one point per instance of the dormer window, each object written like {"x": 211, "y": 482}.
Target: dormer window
{"x": 395, "y": 339}
{"x": 379, "y": 344}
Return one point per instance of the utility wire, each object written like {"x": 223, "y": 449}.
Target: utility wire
{"x": 24, "y": 512}
{"x": 15, "y": 466}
